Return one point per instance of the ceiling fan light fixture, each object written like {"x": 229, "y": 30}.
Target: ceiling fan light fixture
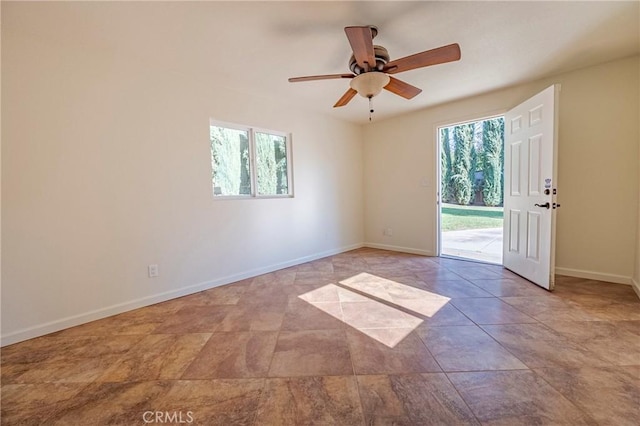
{"x": 369, "y": 84}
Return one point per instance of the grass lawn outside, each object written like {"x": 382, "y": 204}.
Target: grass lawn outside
{"x": 457, "y": 218}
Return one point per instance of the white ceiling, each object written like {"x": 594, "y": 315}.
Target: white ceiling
{"x": 253, "y": 47}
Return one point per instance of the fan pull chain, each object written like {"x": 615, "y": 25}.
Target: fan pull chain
{"x": 370, "y": 107}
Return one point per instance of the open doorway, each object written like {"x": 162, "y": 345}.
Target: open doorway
{"x": 471, "y": 189}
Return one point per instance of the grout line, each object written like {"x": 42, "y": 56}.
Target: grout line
{"x": 475, "y": 416}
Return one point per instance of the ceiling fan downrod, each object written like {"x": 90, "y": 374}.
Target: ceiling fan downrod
{"x": 370, "y": 107}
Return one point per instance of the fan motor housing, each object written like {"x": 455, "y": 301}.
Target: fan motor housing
{"x": 382, "y": 57}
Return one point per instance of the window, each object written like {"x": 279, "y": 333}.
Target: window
{"x": 247, "y": 162}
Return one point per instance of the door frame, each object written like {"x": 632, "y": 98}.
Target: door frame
{"x": 470, "y": 118}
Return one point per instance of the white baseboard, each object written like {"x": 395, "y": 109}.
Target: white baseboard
{"x": 636, "y": 287}
{"x": 74, "y": 320}
{"x": 399, "y": 249}
{"x": 591, "y": 275}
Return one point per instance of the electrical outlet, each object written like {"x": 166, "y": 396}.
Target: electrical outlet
{"x": 388, "y": 232}
{"x": 153, "y": 271}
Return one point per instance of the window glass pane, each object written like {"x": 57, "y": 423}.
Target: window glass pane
{"x": 230, "y": 161}
{"x": 271, "y": 164}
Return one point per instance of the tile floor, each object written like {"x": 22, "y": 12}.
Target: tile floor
{"x": 364, "y": 337}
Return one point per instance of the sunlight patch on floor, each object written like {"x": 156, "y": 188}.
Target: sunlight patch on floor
{"x": 383, "y": 309}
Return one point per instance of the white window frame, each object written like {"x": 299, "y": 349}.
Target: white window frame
{"x": 253, "y": 177}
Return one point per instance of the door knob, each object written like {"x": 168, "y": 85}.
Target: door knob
{"x": 545, "y": 205}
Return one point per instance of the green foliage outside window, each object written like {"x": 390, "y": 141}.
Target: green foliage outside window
{"x": 447, "y": 184}
{"x": 271, "y": 164}
{"x": 462, "y": 184}
{"x": 492, "y": 135}
{"x": 230, "y": 161}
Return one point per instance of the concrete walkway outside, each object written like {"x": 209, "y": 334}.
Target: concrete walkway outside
{"x": 478, "y": 244}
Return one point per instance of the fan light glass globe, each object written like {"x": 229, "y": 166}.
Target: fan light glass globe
{"x": 369, "y": 84}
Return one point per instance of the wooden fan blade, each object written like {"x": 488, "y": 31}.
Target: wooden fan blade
{"x": 361, "y": 41}
{"x": 440, "y": 55}
{"x": 349, "y": 94}
{"x": 401, "y": 88}
{"x": 320, "y": 77}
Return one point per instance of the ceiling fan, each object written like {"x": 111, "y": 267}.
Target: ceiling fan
{"x": 370, "y": 67}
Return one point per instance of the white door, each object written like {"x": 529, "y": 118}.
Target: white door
{"x": 529, "y": 188}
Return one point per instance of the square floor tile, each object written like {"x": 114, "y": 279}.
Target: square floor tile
{"x": 194, "y": 319}
{"x": 389, "y": 350}
{"x": 139, "y": 321}
{"x": 60, "y": 359}
{"x": 515, "y": 398}
{"x": 578, "y": 331}
{"x": 536, "y": 353}
{"x": 413, "y": 399}
{"x": 444, "y": 316}
{"x": 303, "y": 315}
{"x": 311, "y": 353}
{"x": 211, "y": 402}
{"x": 253, "y": 317}
{"x": 35, "y": 403}
{"x": 467, "y": 348}
{"x": 456, "y": 289}
{"x": 314, "y": 278}
{"x": 490, "y": 311}
{"x": 470, "y": 272}
{"x": 240, "y": 354}
{"x": 157, "y": 356}
{"x": 327, "y": 400}
{"x": 110, "y": 403}
{"x": 611, "y": 395}
{"x": 549, "y": 308}
{"x": 503, "y": 287}
{"x": 515, "y": 333}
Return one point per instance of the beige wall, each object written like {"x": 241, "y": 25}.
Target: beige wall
{"x": 106, "y": 169}
{"x": 636, "y": 274}
{"x": 597, "y": 169}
